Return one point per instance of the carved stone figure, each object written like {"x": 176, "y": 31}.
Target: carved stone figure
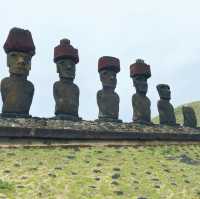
{"x": 140, "y": 72}
{"x": 107, "y": 98}
{"x": 16, "y": 91}
{"x": 189, "y": 117}
{"x": 66, "y": 93}
{"x": 165, "y": 108}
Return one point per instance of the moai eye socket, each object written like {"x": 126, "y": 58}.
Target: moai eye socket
{"x": 13, "y": 54}
{"x": 60, "y": 62}
{"x": 104, "y": 73}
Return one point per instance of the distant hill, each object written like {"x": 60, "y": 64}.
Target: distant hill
{"x": 179, "y": 115}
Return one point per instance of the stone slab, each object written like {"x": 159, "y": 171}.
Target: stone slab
{"x": 51, "y": 129}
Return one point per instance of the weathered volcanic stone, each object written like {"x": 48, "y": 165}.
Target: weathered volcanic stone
{"x": 165, "y": 108}
{"x": 189, "y": 117}
{"x": 107, "y": 98}
{"x": 16, "y": 91}
{"x": 140, "y": 72}
{"x": 66, "y": 93}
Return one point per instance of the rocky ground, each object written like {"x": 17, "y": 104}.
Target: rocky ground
{"x": 99, "y": 172}
{"x": 95, "y": 126}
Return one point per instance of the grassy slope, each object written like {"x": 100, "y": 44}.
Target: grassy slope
{"x": 101, "y": 173}
{"x": 178, "y": 113}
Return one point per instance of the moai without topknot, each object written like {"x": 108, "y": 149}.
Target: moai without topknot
{"x": 66, "y": 93}
{"x": 16, "y": 91}
{"x": 165, "y": 108}
{"x": 189, "y": 117}
{"x": 140, "y": 72}
{"x": 107, "y": 98}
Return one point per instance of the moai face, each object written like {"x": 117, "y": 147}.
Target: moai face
{"x": 66, "y": 69}
{"x": 19, "y": 63}
{"x": 108, "y": 79}
{"x": 164, "y": 91}
{"x": 141, "y": 85}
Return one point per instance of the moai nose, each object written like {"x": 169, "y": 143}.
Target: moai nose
{"x": 68, "y": 67}
{"x": 21, "y": 61}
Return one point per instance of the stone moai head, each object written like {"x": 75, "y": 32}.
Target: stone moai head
{"x": 140, "y": 72}
{"x": 189, "y": 116}
{"x": 66, "y": 57}
{"x": 20, "y": 48}
{"x": 164, "y": 91}
{"x": 108, "y": 67}
{"x": 141, "y": 85}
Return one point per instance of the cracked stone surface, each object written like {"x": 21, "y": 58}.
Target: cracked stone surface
{"x": 95, "y": 126}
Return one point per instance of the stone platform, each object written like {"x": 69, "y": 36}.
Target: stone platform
{"x": 50, "y": 131}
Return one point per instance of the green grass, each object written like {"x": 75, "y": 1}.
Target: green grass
{"x": 179, "y": 115}
{"x": 152, "y": 172}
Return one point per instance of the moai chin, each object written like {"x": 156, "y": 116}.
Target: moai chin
{"x": 189, "y": 116}
{"x": 16, "y": 91}
{"x": 165, "y": 108}
{"x": 107, "y": 98}
{"x": 66, "y": 93}
{"x": 140, "y": 72}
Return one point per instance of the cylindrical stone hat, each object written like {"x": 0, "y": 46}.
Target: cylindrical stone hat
{"x": 109, "y": 63}
{"x": 140, "y": 69}
{"x": 65, "y": 50}
{"x": 19, "y": 40}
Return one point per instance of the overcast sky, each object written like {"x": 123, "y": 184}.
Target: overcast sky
{"x": 166, "y": 34}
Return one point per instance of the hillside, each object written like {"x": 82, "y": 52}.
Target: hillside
{"x": 150, "y": 172}
{"x": 145, "y": 170}
{"x": 178, "y": 113}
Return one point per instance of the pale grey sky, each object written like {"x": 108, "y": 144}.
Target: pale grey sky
{"x": 166, "y": 34}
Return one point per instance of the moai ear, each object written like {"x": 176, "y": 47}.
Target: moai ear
{"x": 57, "y": 68}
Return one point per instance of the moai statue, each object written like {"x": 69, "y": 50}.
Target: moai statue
{"x": 16, "y": 91}
{"x": 107, "y": 98}
{"x": 189, "y": 117}
{"x": 165, "y": 108}
{"x": 66, "y": 93}
{"x": 140, "y": 72}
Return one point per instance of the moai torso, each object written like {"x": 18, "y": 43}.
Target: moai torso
{"x": 141, "y": 108}
{"x": 17, "y": 95}
{"x": 108, "y": 103}
{"x": 66, "y": 96}
{"x": 189, "y": 117}
{"x": 166, "y": 112}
